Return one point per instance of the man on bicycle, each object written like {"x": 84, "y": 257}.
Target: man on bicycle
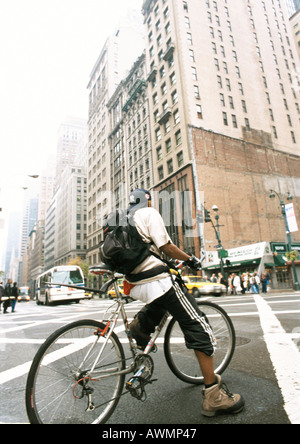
{"x": 154, "y": 286}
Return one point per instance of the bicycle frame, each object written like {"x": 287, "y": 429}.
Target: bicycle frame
{"x": 106, "y": 333}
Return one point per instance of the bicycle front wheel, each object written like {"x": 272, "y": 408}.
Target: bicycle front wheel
{"x": 183, "y": 362}
{"x": 61, "y": 389}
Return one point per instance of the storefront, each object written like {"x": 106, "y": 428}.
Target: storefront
{"x": 248, "y": 258}
{"x": 261, "y": 257}
{"x": 279, "y": 268}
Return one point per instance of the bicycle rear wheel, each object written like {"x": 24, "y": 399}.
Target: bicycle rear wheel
{"x": 59, "y": 389}
{"x": 183, "y": 362}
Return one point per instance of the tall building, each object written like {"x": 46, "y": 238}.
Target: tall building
{"x": 295, "y": 26}
{"x": 224, "y": 116}
{"x": 71, "y": 136}
{"x": 226, "y": 67}
{"x": 70, "y": 216}
{"x": 113, "y": 64}
{"x": 292, "y": 6}
{"x": 129, "y": 140}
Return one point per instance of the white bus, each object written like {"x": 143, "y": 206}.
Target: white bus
{"x": 63, "y": 274}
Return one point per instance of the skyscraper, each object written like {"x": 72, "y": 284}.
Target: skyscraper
{"x": 71, "y": 134}
{"x": 113, "y": 64}
{"x": 220, "y": 82}
{"x": 292, "y": 6}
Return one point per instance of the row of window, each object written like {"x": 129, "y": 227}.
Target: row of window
{"x": 276, "y": 62}
{"x": 170, "y": 166}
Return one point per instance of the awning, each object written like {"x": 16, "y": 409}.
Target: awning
{"x": 235, "y": 264}
{"x": 279, "y": 261}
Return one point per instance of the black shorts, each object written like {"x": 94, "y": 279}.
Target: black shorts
{"x": 183, "y": 307}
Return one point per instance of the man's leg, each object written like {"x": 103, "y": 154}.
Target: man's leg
{"x": 207, "y": 367}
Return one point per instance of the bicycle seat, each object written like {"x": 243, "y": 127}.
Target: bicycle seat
{"x": 100, "y": 269}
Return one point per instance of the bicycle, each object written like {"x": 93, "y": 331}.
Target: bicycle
{"x": 78, "y": 374}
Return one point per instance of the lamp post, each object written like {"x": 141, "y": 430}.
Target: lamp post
{"x": 287, "y": 230}
{"x": 217, "y": 231}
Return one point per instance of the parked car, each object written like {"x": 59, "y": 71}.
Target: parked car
{"x": 199, "y": 286}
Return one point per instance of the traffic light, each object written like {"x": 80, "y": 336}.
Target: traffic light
{"x": 207, "y": 215}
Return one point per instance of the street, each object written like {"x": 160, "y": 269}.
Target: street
{"x": 265, "y": 368}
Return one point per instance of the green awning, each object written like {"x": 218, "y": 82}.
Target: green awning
{"x": 235, "y": 264}
{"x": 279, "y": 261}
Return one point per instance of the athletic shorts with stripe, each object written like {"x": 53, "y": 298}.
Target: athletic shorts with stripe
{"x": 183, "y": 307}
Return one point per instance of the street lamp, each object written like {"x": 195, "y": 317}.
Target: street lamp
{"x": 287, "y": 230}
{"x": 217, "y": 231}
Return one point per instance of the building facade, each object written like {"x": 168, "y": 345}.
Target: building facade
{"x": 118, "y": 54}
{"x": 70, "y": 217}
{"x": 225, "y": 68}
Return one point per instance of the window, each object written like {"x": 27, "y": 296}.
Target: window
{"x": 157, "y": 134}
{"x": 160, "y": 171}
{"x": 170, "y": 166}
{"x": 180, "y": 159}
{"x": 234, "y": 121}
{"x": 168, "y": 145}
{"x": 225, "y": 120}
{"x": 178, "y": 138}
{"x": 176, "y": 117}
{"x": 199, "y": 111}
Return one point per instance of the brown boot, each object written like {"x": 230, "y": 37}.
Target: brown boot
{"x": 218, "y": 399}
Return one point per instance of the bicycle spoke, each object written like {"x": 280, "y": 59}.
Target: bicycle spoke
{"x": 60, "y": 391}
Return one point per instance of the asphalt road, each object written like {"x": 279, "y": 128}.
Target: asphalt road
{"x": 265, "y": 368}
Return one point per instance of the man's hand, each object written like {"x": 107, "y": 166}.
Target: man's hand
{"x": 194, "y": 263}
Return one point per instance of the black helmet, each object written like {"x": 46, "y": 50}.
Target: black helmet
{"x": 139, "y": 198}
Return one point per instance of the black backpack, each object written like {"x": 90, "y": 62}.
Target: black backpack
{"x": 123, "y": 248}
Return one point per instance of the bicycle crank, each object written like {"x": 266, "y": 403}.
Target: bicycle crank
{"x": 136, "y": 384}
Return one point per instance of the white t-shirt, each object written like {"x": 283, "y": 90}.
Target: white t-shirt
{"x": 151, "y": 227}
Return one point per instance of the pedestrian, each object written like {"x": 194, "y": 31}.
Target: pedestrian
{"x": 268, "y": 279}
{"x": 14, "y": 296}
{"x": 7, "y": 295}
{"x": 257, "y": 282}
{"x": 1, "y": 293}
{"x": 264, "y": 283}
{"x": 229, "y": 288}
{"x": 253, "y": 284}
{"x": 161, "y": 295}
{"x": 213, "y": 278}
{"x": 222, "y": 280}
{"x": 236, "y": 282}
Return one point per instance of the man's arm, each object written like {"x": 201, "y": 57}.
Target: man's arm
{"x": 174, "y": 252}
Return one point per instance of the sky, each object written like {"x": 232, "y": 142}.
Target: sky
{"x": 47, "y": 52}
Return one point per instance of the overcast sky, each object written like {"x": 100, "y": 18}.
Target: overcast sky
{"x": 48, "y": 49}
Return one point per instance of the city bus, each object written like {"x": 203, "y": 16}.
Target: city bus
{"x": 63, "y": 274}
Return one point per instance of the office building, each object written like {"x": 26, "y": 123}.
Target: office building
{"x": 223, "y": 109}
{"x": 118, "y": 54}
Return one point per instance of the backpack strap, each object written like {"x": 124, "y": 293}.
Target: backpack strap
{"x": 147, "y": 274}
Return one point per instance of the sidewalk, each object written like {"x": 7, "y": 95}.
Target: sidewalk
{"x": 286, "y": 290}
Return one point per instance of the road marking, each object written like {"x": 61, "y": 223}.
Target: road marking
{"x": 285, "y": 358}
